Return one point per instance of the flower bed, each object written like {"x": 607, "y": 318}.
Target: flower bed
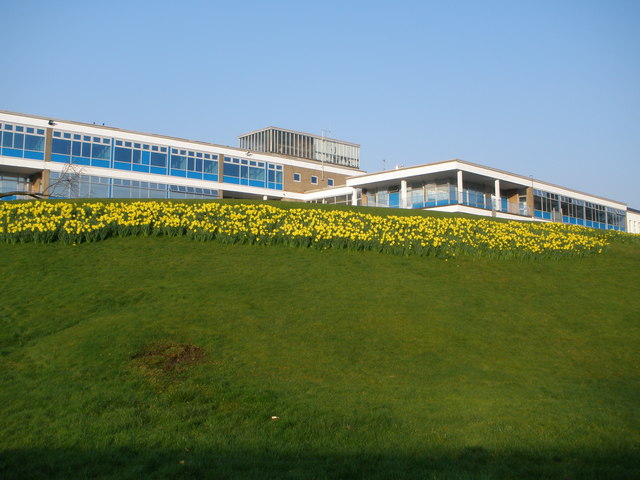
{"x": 72, "y": 222}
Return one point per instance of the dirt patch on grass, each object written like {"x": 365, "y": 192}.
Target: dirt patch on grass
{"x": 164, "y": 359}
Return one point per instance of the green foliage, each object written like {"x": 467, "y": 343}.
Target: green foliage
{"x": 162, "y": 357}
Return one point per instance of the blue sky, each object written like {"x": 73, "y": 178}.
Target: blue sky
{"x": 543, "y": 88}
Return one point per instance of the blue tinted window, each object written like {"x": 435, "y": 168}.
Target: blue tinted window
{"x": 122, "y": 155}
{"x": 36, "y": 144}
{"x": 330, "y": 182}
{"x": 158, "y": 159}
{"x": 102, "y": 152}
{"x": 231, "y": 170}
{"x": 18, "y": 140}
{"x": 210, "y": 167}
{"x": 136, "y": 156}
{"x": 7, "y": 139}
{"x": 191, "y": 164}
{"x": 76, "y": 149}
{"x": 198, "y": 165}
{"x": 178, "y": 162}
{"x": 256, "y": 173}
{"x": 62, "y": 147}
{"x": 86, "y": 150}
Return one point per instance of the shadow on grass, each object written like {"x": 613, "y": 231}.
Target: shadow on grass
{"x": 469, "y": 463}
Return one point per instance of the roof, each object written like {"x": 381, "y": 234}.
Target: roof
{"x": 320, "y": 137}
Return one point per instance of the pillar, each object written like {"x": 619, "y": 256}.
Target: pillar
{"x": 354, "y": 197}
{"x": 498, "y": 197}
{"x": 460, "y": 188}
{"x": 404, "y": 203}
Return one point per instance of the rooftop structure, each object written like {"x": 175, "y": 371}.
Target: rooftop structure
{"x": 302, "y": 145}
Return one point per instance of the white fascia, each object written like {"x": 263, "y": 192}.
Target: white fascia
{"x": 327, "y": 193}
{"x": 24, "y": 163}
{"x": 400, "y": 174}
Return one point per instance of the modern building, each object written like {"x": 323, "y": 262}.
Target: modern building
{"x": 64, "y": 159}
{"x": 302, "y": 145}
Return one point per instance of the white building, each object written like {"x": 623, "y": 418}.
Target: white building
{"x": 65, "y": 159}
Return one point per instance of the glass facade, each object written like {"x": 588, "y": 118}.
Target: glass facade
{"x": 120, "y": 154}
{"x": 21, "y": 141}
{"x": 77, "y": 185}
{"x": 13, "y": 183}
{"x": 440, "y": 192}
{"x": 559, "y": 208}
{"x": 286, "y": 142}
{"x": 252, "y": 173}
{"x": 109, "y": 152}
{"x": 337, "y": 200}
{"x": 67, "y": 147}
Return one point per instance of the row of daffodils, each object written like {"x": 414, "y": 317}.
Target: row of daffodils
{"x": 75, "y": 222}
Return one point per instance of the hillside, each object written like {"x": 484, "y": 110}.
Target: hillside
{"x": 165, "y": 357}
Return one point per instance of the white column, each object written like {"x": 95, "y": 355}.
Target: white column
{"x": 460, "y": 187}
{"x": 354, "y": 197}
{"x": 403, "y": 194}
{"x": 497, "y": 195}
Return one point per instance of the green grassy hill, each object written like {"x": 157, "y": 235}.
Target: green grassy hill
{"x": 168, "y": 358}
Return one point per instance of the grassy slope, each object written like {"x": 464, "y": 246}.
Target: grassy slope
{"x": 377, "y": 365}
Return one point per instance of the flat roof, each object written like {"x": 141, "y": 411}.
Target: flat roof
{"x": 526, "y": 180}
{"x": 320, "y": 137}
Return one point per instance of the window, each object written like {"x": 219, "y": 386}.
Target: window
{"x": 83, "y": 149}
{"x": 314, "y": 180}
{"x": 252, "y": 173}
{"x": 330, "y": 182}
{"x": 19, "y": 144}
{"x": 296, "y": 177}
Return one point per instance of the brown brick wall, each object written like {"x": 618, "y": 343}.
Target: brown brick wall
{"x": 305, "y": 185}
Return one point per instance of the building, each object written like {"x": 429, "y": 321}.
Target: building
{"x": 302, "y": 145}
{"x": 70, "y": 159}
{"x": 65, "y": 159}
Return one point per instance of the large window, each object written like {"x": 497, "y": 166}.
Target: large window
{"x": 252, "y": 173}
{"x": 21, "y": 141}
{"x": 551, "y": 206}
{"x": 14, "y": 183}
{"x": 192, "y": 164}
{"x": 77, "y": 185}
{"x": 67, "y": 147}
{"x": 140, "y": 157}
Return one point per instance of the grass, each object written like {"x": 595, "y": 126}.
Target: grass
{"x": 167, "y": 358}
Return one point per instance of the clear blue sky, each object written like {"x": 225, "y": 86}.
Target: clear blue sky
{"x": 543, "y": 88}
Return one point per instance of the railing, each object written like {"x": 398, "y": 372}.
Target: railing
{"x": 469, "y": 199}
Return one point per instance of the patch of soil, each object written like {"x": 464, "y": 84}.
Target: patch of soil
{"x": 165, "y": 358}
